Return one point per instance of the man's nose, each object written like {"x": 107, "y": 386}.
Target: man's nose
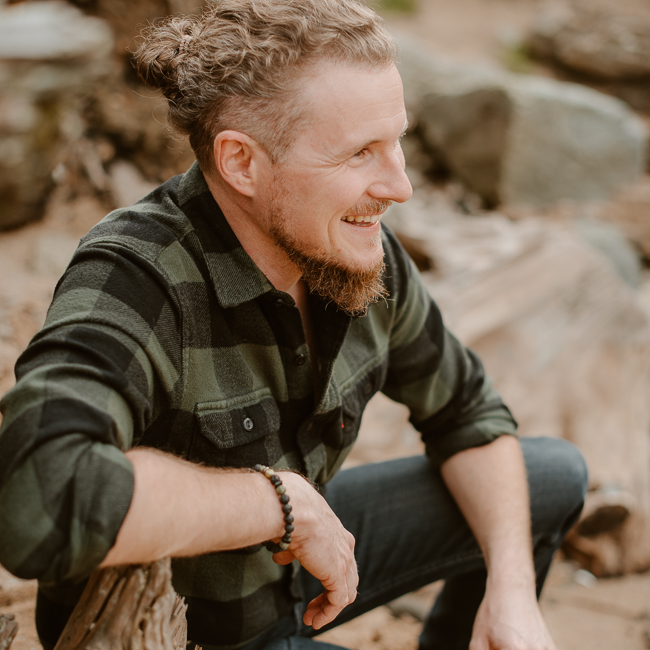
{"x": 394, "y": 184}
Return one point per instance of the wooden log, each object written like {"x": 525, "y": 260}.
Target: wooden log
{"x": 8, "y": 630}
{"x": 128, "y": 608}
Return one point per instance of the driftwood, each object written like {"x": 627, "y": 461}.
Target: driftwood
{"x": 128, "y": 608}
{"x": 8, "y": 630}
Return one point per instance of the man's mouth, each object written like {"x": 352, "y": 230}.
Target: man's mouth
{"x": 362, "y": 218}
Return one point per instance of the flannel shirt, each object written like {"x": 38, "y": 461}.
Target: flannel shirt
{"x": 163, "y": 332}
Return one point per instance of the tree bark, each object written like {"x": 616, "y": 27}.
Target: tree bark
{"x": 128, "y": 608}
{"x": 8, "y": 630}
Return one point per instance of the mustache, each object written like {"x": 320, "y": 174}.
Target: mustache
{"x": 374, "y": 207}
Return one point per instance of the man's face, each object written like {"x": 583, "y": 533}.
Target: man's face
{"x": 344, "y": 169}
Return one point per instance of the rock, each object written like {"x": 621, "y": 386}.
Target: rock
{"x": 609, "y": 240}
{"x": 48, "y": 31}
{"x": 49, "y": 54}
{"x": 52, "y": 253}
{"x": 630, "y": 211}
{"x": 127, "y": 183}
{"x": 133, "y": 119}
{"x": 521, "y": 140}
{"x": 126, "y": 18}
{"x": 594, "y": 38}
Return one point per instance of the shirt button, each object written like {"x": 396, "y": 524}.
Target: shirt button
{"x": 280, "y": 302}
{"x": 248, "y": 424}
{"x": 299, "y": 359}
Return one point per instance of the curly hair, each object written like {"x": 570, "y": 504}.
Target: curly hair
{"x": 240, "y": 65}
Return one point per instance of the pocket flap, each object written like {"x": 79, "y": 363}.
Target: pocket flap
{"x": 234, "y": 422}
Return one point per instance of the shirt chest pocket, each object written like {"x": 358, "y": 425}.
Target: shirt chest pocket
{"x": 237, "y": 432}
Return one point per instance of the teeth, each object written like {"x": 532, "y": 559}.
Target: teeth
{"x": 360, "y": 219}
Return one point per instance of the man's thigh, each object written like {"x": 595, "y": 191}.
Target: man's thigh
{"x": 409, "y": 531}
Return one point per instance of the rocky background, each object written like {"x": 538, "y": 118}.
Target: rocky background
{"x": 528, "y": 153}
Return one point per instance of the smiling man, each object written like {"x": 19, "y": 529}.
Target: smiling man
{"x": 240, "y": 318}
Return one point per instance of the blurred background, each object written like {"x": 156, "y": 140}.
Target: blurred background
{"x": 530, "y": 221}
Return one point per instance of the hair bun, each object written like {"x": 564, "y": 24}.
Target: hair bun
{"x": 164, "y": 48}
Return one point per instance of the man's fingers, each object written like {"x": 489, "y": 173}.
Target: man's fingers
{"x": 322, "y": 611}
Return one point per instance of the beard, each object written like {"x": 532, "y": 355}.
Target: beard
{"x": 351, "y": 290}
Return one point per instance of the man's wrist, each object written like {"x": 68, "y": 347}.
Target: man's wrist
{"x": 302, "y": 493}
{"x": 508, "y": 576}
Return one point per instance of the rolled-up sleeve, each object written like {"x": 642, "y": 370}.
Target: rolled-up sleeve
{"x": 451, "y": 400}
{"x": 85, "y": 392}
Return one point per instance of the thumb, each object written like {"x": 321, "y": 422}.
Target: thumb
{"x": 283, "y": 558}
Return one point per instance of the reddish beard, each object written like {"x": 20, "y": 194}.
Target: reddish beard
{"x": 351, "y": 290}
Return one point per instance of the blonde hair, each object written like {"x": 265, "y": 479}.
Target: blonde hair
{"x": 239, "y": 65}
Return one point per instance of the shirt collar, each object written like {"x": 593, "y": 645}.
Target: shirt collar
{"x": 235, "y": 277}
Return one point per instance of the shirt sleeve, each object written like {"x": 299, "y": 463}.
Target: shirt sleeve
{"x": 85, "y": 391}
{"x": 451, "y": 400}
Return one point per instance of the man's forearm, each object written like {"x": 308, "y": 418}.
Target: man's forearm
{"x": 490, "y": 486}
{"x": 180, "y": 509}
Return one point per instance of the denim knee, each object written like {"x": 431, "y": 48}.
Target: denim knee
{"x": 558, "y": 481}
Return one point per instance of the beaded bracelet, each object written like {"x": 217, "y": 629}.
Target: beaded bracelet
{"x": 286, "y": 509}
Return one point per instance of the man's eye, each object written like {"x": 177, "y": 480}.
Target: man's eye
{"x": 360, "y": 153}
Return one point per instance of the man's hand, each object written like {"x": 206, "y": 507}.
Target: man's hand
{"x": 324, "y": 548}
{"x": 510, "y": 620}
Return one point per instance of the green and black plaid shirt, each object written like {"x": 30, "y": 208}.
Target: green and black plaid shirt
{"x": 163, "y": 332}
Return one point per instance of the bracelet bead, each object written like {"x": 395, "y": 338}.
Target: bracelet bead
{"x": 281, "y": 491}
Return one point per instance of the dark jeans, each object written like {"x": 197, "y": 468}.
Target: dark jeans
{"x": 409, "y": 533}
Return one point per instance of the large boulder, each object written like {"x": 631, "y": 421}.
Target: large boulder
{"x": 50, "y": 53}
{"x": 598, "y": 39}
{"x": 521, "y": 140}
{"x": 604, "y": 44}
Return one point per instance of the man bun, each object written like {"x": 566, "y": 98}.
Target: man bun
{"x": 238, "y": 65}
{"x": 163, "y": 53}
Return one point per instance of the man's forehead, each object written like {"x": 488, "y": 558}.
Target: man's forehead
{"x": 351, "y": 106}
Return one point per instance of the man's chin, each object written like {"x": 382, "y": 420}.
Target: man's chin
{"x": 352, "y": 287}
{"x": 351, "y": 290}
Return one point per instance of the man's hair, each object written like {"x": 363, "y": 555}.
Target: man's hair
{"x": 239, "y": 65}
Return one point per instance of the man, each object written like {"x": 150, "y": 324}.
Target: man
{"x": 244, "y": 314}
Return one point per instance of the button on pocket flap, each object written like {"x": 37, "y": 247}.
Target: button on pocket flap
{"x": 229, "y": 423}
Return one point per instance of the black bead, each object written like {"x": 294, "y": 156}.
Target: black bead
{"x": 286, "y": 508}
{"x": 258, "y": 468}
{"x": 288, "y": 519}
{"x": 284, "y": 498}
{"x": 276, "y": 480}
{"x": 289, "y": 528}
{"x": 286, "y": 539}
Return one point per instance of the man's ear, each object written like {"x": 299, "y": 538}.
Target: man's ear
{"x": 238, "y": 159}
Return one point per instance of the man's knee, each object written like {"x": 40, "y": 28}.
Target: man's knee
{"x": 558, "y": 480}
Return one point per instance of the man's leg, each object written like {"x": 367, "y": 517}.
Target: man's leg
{"x": 410, "y": 533}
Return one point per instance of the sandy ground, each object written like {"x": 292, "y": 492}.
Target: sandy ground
{"x": 583, "y": 613}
